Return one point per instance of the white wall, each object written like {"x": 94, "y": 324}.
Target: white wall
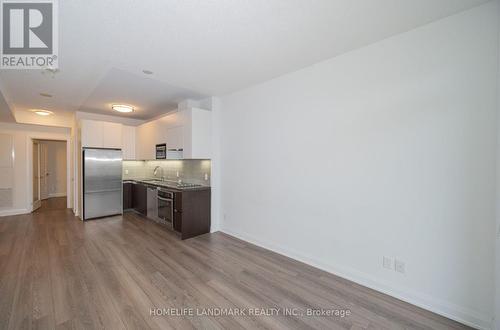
{"x": 22, "y": 140}
{"x": 497, "y": 250}
{"x": 388, "y": 150}
{"x": 6, "y": 171}
{"x": 56, "y": 166}
{"x": 216, "y": 165}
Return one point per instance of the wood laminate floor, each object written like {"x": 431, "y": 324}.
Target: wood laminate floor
{"x": 57, "y": 272}
{"x": 52, "y": 204}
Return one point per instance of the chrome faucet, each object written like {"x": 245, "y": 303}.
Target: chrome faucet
{"x": 155, "y": 171}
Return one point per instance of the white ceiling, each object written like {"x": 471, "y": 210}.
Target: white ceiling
{"x": 149, "y": 97}
{"x": 198, "y": 48}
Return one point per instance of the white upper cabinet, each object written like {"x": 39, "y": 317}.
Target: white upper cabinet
{"x": 169, "y": 130}
{"x": 112, "y": 135}
{"x": 201, "y": 134}
{"x": 175, "y": 137}
{"x": 146, "y": 141}
{"x": 92, "y": 133}
{"x": 197, "y": 133}
{"x": 189, "y": 129}
{"x": 128, "y": 142}
{"x": 100, "y": 134}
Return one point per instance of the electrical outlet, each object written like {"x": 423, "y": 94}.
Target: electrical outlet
{"x": 206, "y": 177}
{"x": 177, "y": 173}
{"x": 387, "y": 262}
{"x": 126, "y": 171}
{"x": 399, "y": 266}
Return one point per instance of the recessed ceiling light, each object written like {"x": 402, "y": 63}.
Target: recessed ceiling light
{"x": 45, "y": 95}
{"x": 147, "y": 71}
{"x": 41, "y": 112}
{"x": 122, "y": 108}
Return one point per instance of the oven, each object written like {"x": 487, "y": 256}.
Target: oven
{"x": 166, "y": 207}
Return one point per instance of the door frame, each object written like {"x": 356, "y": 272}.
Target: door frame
{"x": 29, "y": 157}
{"x": 35, "y": 204}
{"x": 44, "y": 163}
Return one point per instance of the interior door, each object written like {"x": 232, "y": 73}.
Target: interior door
{"x": 36, "y": 176}
{"x": 44, "y": 172}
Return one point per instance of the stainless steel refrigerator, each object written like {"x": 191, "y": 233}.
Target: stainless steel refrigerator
{"x": 102, "y": 183}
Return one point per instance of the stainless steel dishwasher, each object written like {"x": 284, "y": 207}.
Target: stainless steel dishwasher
{"x": 152, "y": 204}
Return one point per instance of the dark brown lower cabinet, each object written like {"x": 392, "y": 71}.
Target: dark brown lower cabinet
{"x": 127, "y": 195}
{"x": 140, "y": 198}
{"x": 191, "y": 208}
{"x": 178, "y": 212}
{"x": 192, "y": 213}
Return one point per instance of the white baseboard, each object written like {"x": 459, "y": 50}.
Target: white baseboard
{"x": 457, "y": 313}
{"x": 52, "y": 195}
{"x": 7, "y": 213}
{"x": 214, "y": 227}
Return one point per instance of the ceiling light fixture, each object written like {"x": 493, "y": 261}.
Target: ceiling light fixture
{"x": 122, "y": 108}
{"x": 51, "y": 71}
{"x": 147, "y": 72}
{"x": 45, "y": 95}
{"x": 41, "y": 112}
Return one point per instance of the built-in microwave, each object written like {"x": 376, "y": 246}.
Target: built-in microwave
{"x": 161, "y": 151}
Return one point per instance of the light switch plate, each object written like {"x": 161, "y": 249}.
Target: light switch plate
{"x": 399, "y": 266}
{"x": 387, "y": 262}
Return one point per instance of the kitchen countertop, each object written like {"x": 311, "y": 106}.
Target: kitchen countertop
{"x": 172, "y": 185}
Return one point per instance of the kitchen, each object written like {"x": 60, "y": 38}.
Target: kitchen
{"x": 160, "y": 169}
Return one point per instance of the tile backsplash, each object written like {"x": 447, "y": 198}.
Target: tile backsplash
{"x": 188, "y": 170}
